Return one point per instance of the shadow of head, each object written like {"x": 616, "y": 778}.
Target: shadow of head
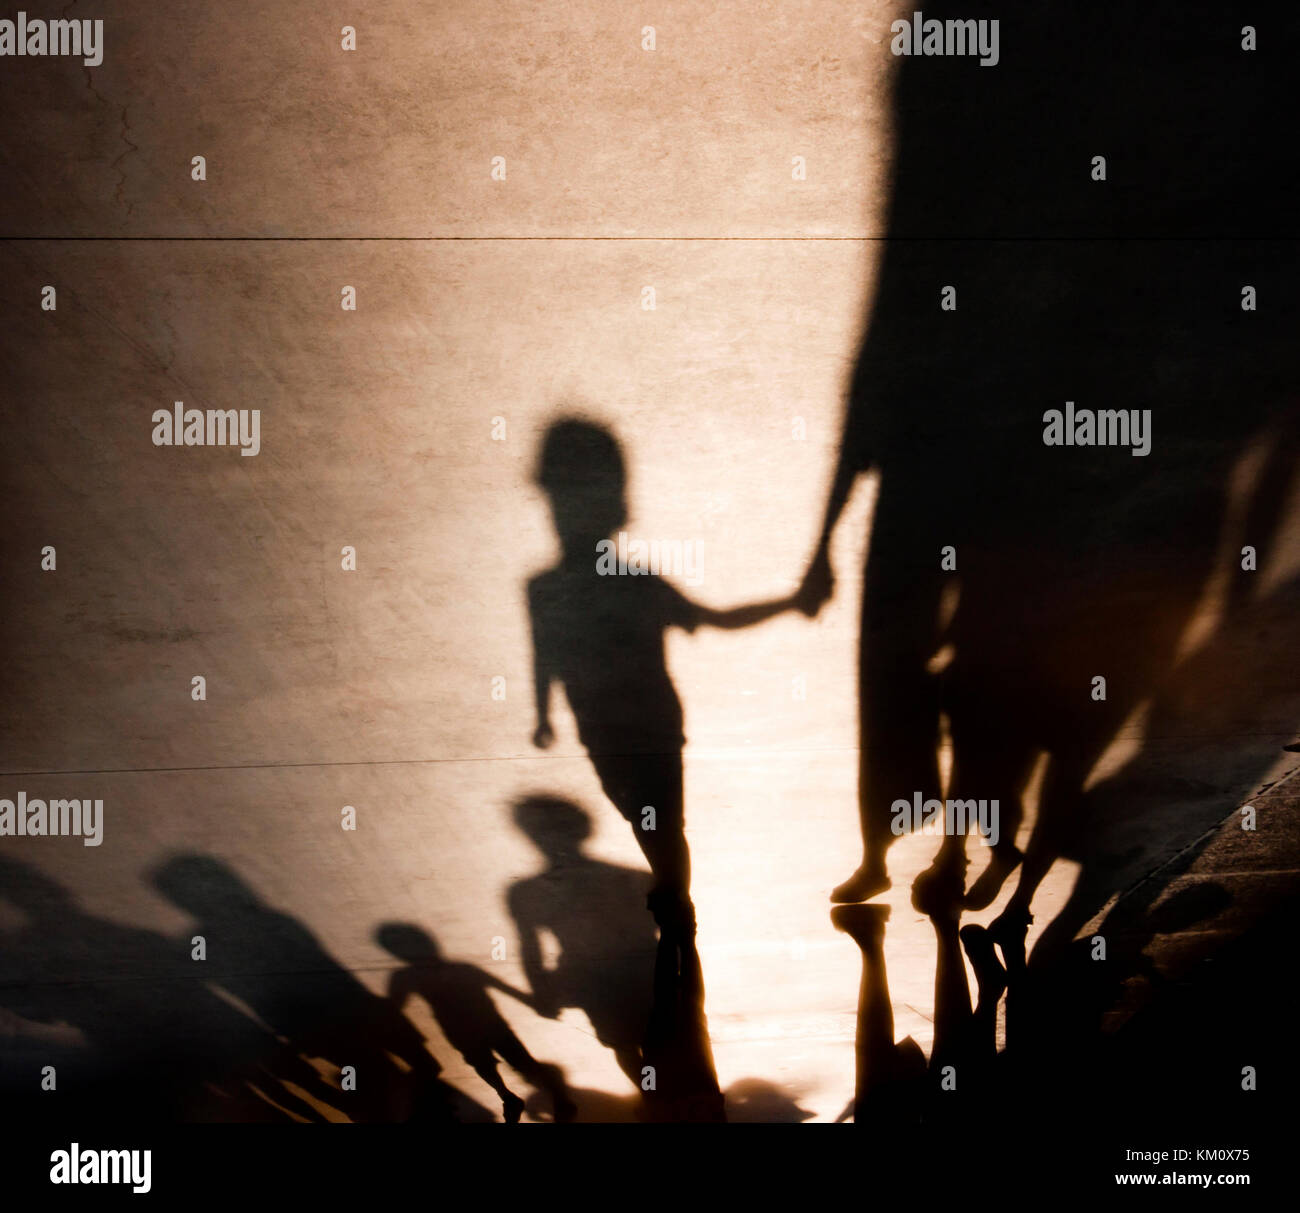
{"x": 581, "y": 470}
{"x": 756, "y": 1101}
{"x": 201, "y": 884}
{"x": 408, "y": 942}
{"x": 557, "y": 827}
{"x": 32, "y": 891}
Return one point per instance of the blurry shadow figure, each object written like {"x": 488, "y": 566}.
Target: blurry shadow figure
{"x": 756, "y": 1101}
{"x": 1216, "y": 691}
{"x": 1143, "y": 826}
{"x": 1014, "y": 283}
{"x": 1065, "y": 365}
{"x": 600, "y": 633}
{"x": 638, "y": 992}
{"x": 1146, "y": 823}
{"x": 276, "y": 967}
{"x": 159, "y": 1044}
{"x": 593, "y": 910}
{"x": 457, "y": 995}
{"x": 1217, "y": 688}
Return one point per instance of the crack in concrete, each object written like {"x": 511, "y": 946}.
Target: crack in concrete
{"x": 124, "y": 133}
{"x": 130, "y": 147}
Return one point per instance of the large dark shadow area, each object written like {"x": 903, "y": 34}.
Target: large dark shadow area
{"x": 132, "y": 1027}
{"x": 1034, "y": 595}
{"x": 1090, "y": 225}
{"x": 139, "y": 1029}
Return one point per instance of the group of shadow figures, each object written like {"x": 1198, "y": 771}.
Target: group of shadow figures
{"x": 1003, "y": 578}
{"x": 270, "y": 1026}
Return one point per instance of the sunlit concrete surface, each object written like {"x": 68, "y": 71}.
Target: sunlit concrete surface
{"x": 600, "y": 137}
{"x": 409, "y": 429}
{"x": 374, "y": 689}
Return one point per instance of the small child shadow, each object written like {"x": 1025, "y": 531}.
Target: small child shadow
{"x": 457, "y": 995}
{"x": 598, "y": 631}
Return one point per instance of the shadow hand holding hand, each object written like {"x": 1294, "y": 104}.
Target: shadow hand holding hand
{"x": 544, "y": 736}
{"x": 818, "y": 583}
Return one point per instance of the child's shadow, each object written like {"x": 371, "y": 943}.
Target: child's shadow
{"x": 457, "y": 995}
{"x": 599, "y": 619}
{"x": 606, "y": 941}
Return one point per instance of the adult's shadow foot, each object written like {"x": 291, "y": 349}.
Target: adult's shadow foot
{"x": 1008, "y": 930}
{"x": 989, "y": 884}
{"x": 990, "y": 976}
{"x": 863, "y": 884}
